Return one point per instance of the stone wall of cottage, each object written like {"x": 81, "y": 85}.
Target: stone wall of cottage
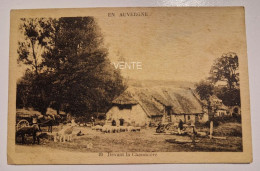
{"x": 134, "y": 116}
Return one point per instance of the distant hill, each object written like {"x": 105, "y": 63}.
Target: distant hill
{"x": 163, "y": 83}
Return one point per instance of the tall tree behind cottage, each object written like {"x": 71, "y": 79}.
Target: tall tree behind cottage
{"x": 76, "y": 64}
{"x": 226, "y": 70}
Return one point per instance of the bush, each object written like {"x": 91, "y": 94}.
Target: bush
{"x": 228, "y": 129}
{"x": 225, "y": 119}
{"x": 81, "y": 119}
{"x": 215, "y": 123}
{"x": 219, "y": 120}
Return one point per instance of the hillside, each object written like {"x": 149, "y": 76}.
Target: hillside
{"x": 163, "y": 83}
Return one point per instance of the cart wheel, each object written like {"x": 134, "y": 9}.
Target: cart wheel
{"x": 22, "y": 123}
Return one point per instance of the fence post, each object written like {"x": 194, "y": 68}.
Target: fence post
{"x": 211, "y": 129}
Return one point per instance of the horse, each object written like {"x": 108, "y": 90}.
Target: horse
{"x": 46, "y": 121}
{"x": 29, "y": 130}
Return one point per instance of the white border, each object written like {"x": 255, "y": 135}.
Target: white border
{"x": 253, "y": 41}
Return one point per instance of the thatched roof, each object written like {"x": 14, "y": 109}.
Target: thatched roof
{"x": 182, "y": 101}
{"x": 125, "y": 98}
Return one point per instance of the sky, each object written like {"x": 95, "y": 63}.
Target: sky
{"x": 177, "y": 44}
{"x": 174, "y": 43}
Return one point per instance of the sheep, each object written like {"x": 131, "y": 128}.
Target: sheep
{"x": 133, "y": 129}
{"x": 65, "y": 133}
{"x": 137, "y": 129}
{"x": 115, "y": 129}
{"x": 129, "y": 128}
{"x": 122, "y": 128}
{"x": 110, "y": 129}
{"x": 93, "y": 127}
{"x": 90, "y": 145}
{"x": 106, "y": 128}
{"x": 97, "y": 128}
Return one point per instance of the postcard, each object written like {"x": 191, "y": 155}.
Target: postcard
{"x": 129, "y": 86}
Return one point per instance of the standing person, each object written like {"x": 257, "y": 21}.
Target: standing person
{"x": 180, "y": 126}
{"x": 92, "y": 121}
{"x": 159, "y": 128}
{"x": 35, "y": 119}
{"x": 193, "y": 135}
{"x": 36, "y": 131}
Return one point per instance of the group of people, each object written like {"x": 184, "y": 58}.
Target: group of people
{"x": 161, "y": 127}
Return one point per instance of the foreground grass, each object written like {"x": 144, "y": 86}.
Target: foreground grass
{"x": 144, "y": 141}
{"x": 148, "y": 141}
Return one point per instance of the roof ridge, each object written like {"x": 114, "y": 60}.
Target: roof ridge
{"x": 176, "y": 99}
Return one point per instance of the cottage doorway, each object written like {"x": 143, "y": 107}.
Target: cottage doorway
{"x": 168, "y": 113}
{"x": 121, "y": 122}
{"x": 113, "y": 123}
{"x": 196, "y": 118}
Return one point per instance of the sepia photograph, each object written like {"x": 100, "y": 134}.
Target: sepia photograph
{"x": 128, "y": 85}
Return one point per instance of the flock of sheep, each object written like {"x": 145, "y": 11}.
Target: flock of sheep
{"x": 115, "y": 129}
{"x": 68, "y": 131}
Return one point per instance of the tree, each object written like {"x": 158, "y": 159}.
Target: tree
{"x": 34, "y": 91}
{"x": 35, "y": 41}
{"x": 24, "y": 90}
{"x": 229, "y": 97}
{"x": 225, "y": 69}
{"x": 85, "y": 79}
{"x": 76, "y": 75}
{"x": 36, "y": 32}
{"x": 205, "y": 90}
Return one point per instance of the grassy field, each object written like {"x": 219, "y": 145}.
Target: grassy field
{"x": 147, "y": 141}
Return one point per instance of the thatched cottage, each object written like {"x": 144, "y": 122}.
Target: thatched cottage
{"x": 146, "y": 106}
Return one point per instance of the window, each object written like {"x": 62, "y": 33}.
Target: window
{"x": 121, "y": 122}
{"x": 125, "y": 106}
{"x": 113, "y": 123}
{"x": 188, "y": 117}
